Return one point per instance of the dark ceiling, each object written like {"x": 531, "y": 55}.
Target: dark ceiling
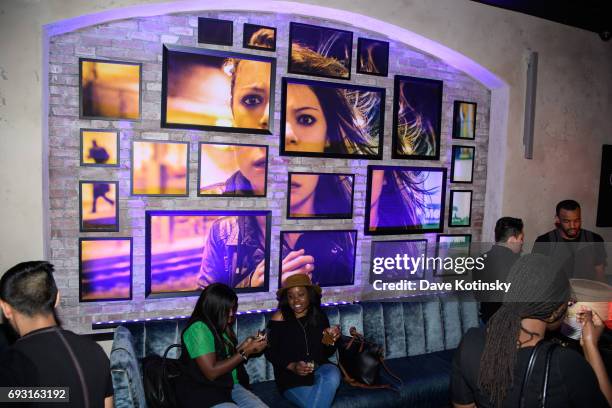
{"x": 592, "y": 15}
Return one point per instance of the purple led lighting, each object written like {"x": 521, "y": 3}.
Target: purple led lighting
{"x": 448, "y": 55}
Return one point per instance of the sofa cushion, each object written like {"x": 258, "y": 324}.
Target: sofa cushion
{"x": 426, "y": 380}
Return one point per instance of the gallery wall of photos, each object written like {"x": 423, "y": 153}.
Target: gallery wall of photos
{"x": 244, "y": 147}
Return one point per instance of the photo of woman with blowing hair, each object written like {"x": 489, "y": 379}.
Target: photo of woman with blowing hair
{"x": 331, "y": 120}
{"x": 214, "y": 363}
{"x": 417, "y": 113}
{"x": 300, "y": 344}
{"x": 320, "y": 195}
{"x": 259, "y": 37}
{"x": 490, "y": 366}
{"x": 404, "y": 199}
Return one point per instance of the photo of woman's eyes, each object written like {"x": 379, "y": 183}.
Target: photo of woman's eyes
{"x": 252, "y": 101}
{"x": 306, "y": 120}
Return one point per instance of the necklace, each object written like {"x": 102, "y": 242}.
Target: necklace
{"x": 303, "y": 327}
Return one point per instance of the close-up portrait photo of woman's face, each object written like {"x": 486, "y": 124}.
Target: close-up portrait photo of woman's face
{"x": 252, "y": 162}
{"x": 320, "y": 195}
{"x": 305, "y": 123}
{"x": 212, "y": 89}
{"x": 322, "y": 119}
{"x": 302, "y": 193}
{"x": 251, "y": 94}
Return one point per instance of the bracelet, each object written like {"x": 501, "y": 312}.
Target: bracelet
{"x": 243, "y": 355}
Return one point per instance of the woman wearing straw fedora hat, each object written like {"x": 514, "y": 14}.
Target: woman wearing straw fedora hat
{"x": 300, "y": 344}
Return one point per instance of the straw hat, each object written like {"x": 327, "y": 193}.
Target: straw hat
{"x": 293, "y": 281}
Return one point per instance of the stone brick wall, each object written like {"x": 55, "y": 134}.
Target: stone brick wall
{"x": 140, "y": 40}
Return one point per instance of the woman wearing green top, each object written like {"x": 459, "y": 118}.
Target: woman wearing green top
{"x": 215, "y": 365}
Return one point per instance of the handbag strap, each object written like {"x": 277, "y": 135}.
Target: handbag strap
{"x": 549, "y": 353}
{"x": 528, "y": 372}
{"x": 78, "y": 367}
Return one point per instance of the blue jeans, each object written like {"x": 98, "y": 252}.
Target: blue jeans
{"x": 243, "y": 398}
{"x": 321, "y": 393}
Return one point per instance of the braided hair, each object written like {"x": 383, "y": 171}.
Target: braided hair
{"x": 538, "y": 290}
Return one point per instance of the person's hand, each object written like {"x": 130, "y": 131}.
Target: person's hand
{"x": 257, "y": 279}
{"x": 592, "y": 326}
{"x": 296, "y": 262}
{"x": 333, "y": 333}
{"x": 245, "y": 343}
{"x": 301, "y": 368}
{"x": 255, "y": 346}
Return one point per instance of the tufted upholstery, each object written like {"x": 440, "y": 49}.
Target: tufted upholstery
{"x": 418, "y": 337}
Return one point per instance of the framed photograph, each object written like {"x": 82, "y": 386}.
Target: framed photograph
{"x": 160, "y": 168}
{"x": 105, "y": 269}
{"x": 372, "y": 57}
{"x": 450, "y": 246}
{"x": 320, "y": 51}
{"x": 328, "y": 258}
{"x": 109, "y": 90}
{"x": 215, "y": 31}
{"x": 217, "y": 90}
{"x": 99, "y": 148}
{"x": 460, "y": 214}
{"x": 383, "y": 265}
{"x": 464, "y": 120}
{"x": 98, "y": 206}
{"x": 404, "y": 200}
{"x": 258, "y": 37}
{"x": 325, "y": 119}
{"x": 186, "y": 251}
{"x": 417, "y": 117}
{"x": 462, "y": 164}
{"x": 227, "y": 169}
{"x": 320, "y": 195}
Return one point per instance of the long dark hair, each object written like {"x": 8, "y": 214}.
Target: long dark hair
{"x": 403, "y": 195}
{"x": 343, "y": 110}
{"x": 213, "y": 308}
{"x": 537, "y": 290}
{"x": 314, "y": 314}
{"x": 332, "y": 194}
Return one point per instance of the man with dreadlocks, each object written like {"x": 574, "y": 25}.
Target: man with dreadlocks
{"x": 491, "y": 365}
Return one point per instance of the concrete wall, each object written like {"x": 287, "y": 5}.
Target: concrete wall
{"x": 574, "y": 103}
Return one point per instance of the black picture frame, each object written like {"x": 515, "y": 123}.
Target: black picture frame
{"x": 451, "y": 206}
{"x": 248, "y": 29}
{"x": 418, "y": 276}
{"x": 468, "y": 242}
{"x": 457, "y": 120}
{"x": 199, "y": 187}
{"x": 337, "y": 85}
{"x": 82, "y": 115}
{"x": 364, "y": 42}
{"x": 167, "y": 49}
{"x": 436, "y": 87}
{"x": 82, "y": 225}
{"x": 133, "y": 194}
{"x": 317, "y": 232}
{"x": 401, "y": 230}
{"x": 215, "y": 31}
{"x": 453, "y": 164}
{"x": 291, "y": 66}
{"x": 82, "y": 290}
{"x": 149, "y": 294}
{"x": 82, "y": 147}
{"x": 339, "y": 216}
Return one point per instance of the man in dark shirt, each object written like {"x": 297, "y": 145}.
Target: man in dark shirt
{"x": 45, "y": 355}
{"x": 499, "y": 259}
{"x": 579, "y": 252}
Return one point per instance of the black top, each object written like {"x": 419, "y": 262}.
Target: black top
{"x": 287, "y": 344}
{"x": 572, "y": 382}
{"x": 577, "y": 257}
{"x": 40, "y": 358}
{"x": 497, "y": 263}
